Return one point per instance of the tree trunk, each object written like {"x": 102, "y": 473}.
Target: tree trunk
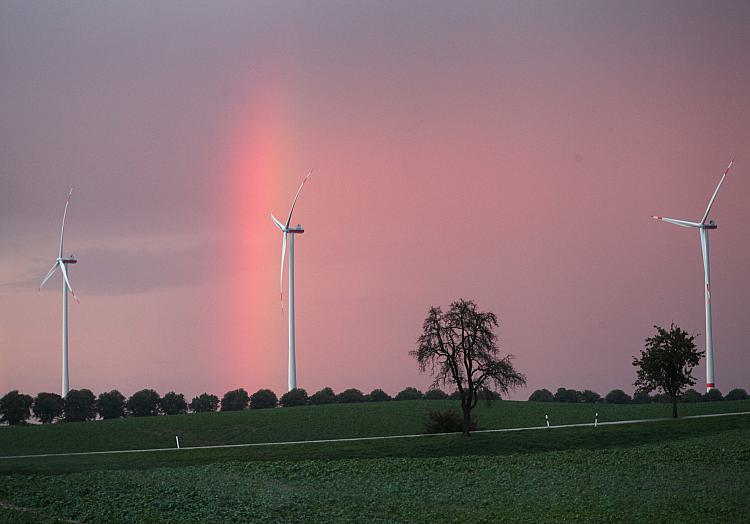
{"x": 674, "y": 406}
{"x": 467, "y": 419}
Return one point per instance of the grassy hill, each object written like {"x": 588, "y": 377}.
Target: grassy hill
{"x": 692, "y": 470}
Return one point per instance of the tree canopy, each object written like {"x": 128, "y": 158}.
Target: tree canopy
{"x": 667, "y": 362}
{"x": 173, "y": 403}
{"x": 459, "y": 347}
{"x": 48, "y": 406}
{"x": 111, "y": 404}
{"x": 15, "y": 407}
{"x": 235, "y": 400}
{"x": 261, "y": 399}
{"x": 144, "y": 403}
{"x": 80, "y": 405}
{"x": 204, "y": 402}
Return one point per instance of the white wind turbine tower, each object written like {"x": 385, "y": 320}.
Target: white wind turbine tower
{"x": 290, "y": 232}
{"x": 703, "y": 228}
{"x": 61, "y": 263}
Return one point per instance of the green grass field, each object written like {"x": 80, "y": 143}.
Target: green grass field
{"x": 690, "y": 470}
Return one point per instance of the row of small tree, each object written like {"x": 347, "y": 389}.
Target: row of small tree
{"x": 618, "y": 396}
{"x": 81, "y": 404}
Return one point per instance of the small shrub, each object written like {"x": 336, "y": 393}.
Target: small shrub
{"x": 713, "y": 396}
{"x": 350, "y": 396}
{"x": 448, "y": 421}
{"x": 235, "y": 400}
{"x": 617, "y": 396}
{"x": 294, "y": 397}
{"x": 736, "y": 394}
{"x": 378, "y": 395}
{"x": 409, "y": 393}
{"x": 691, "y": 395}
{"x": 435, "y": 394}
{"x": 263, "y": 399}
{"x": 204, "y": 403}
{"x": 324, "y": 396}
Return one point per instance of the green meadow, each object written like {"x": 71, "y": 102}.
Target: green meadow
{"x": 689, "y": 470}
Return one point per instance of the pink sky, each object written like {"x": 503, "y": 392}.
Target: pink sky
{"x": 508, "y": 153}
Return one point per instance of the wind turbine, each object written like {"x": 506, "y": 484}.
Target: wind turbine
{"x": 61, "y": 263}
{"x": 290, "y": 232}
{"x": 703, "y": 229}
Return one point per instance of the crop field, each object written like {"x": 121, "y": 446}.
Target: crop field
{"x": 686, "y": 470}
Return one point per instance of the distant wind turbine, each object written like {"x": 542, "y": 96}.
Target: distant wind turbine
{"x": 61, "y": 263}
{"x": 290, "y": 232}
{"x": 703, "y": 228}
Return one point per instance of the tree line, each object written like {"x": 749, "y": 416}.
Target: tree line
{"x": 618, "y": 396}
{"x": 81, "y": 404}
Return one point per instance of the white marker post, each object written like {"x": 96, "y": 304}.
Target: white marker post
{"x": 596, "y": 420}
{"x": 547, "y": 419}
{"x": 177, "y": 439}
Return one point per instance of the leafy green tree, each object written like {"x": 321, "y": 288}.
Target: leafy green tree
{"x": 713, "y": 395}
{"x": 566, "y": 395}
{"x": 435, "y": 394}
{"x": 324, "y": 396}
{"x": 111, "y": 405}
{"x": 173, "y": 403}
{"x": 48, "y": 406}
{"x": 409, "y": 393}
{"x": 590, "y": 397}
{"x": 378, "y": 395}
{"x": 641, "y": 397}
{"x": 542, "y": 395}
{"x": 80, "y": 405}
{"x": 459, "y": 347}
{"x": 144, "y": 403}
{"x": 667, "y": 363}
{"x": 691, "y": 395}
{"x": 204, "y": 403}
{"x": 736, "y": 394}
{"x": 15, "y": 408}
{"x": 350, "y": 396}
{"x": 617, "y": 396}
{"x": 236, "y": 400}
{"x": 263, "y": 399}
{"x": 294, "y": 397}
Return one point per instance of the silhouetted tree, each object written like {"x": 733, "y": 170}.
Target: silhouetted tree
{"x": 617, "y": 396}
{"x": 173, "y": 403}
{"x": 294, "y": 397}
{"x": 236, "y": 400}
{"x": 144, "y": 403}
{"x": 48, "y": 406}
{"x": 111, "y": 405}
{"x": 566, "y": 395}
{"x": 204, "y": 402}
{"x": 456, "y": 395}
{"x": 691, "y": 395}
{"x": 542, "y": 395}
{"x": 589, "y": 397}
{"x": 15, "y": 408}
{"x": 487, "y": 394}
{"x": 409, "y": 393}
{"x": 350, "y": 396}
{"x": 459, "y": 347}
{"x": 713, "y": 395}
{"x": 667, "y": 363}
{"x": 378, "y": 395}
{"x": 80, "y": 405}
{"x": 324, "y": 396}
{"x": 263, "y": 399}
{"x": 447, "y": 421}
{"x": 736, "y": 394}
{"x": 435, "y": 394}
{"x": 641, "y": 397}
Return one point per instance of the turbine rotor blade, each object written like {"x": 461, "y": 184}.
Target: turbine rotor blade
{"x": 281, "y": 273}
{"x": 683, "y": 223}
{"x": 49, "y": 275}
{"x": 713, "y": 197}
{"x": 62, "y": 229}
{"x": 67, "y": 282}
{"x": 278, "y": 224}
{"x": 296, "y": 196}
